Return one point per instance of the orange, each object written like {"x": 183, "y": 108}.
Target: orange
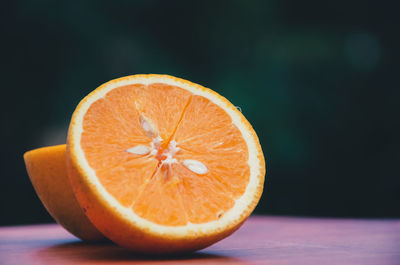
{"x": 47, "y": 171}
{"x": 163, "y": 165}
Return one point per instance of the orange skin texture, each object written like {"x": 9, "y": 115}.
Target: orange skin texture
{"x": 47, "y": 171}
{"x": 126, "y": 233}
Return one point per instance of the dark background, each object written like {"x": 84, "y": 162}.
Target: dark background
{"x": 318, "y": 80}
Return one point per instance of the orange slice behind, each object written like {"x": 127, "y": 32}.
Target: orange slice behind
{"x": 163, "y": 165}
{"x": 47, "y": 171}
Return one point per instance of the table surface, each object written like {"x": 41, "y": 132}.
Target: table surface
{"x": 261, "y": 240}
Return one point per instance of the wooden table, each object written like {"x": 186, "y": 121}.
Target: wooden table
{"x": 262, "y": 240}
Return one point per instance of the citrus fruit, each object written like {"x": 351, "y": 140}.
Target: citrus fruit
{"x": 163, "y": 165}
{"x": 46, "y": 168}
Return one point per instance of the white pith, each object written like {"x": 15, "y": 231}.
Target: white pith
{"x": 232, "y": 215}
{"x": 167, "y": 155}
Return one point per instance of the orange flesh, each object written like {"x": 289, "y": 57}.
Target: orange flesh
{"x": 167, "y": 194}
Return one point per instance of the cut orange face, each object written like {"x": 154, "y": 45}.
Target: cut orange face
{"x": 163, "y": 165}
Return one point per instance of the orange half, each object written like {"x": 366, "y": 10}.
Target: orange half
{"x": 163, "y": 165}
{"x": 47, "y": 171}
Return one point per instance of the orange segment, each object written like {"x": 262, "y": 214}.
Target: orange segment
{"x": 113, "y": 120}
{"x": 163, "y": 104}
{"x": 204, "y": 198}
{"x": 172, "y": 164}
{"x": 125, "y": 181}
{"x": 160, "y": 201}
{"x": 206, "y": 133}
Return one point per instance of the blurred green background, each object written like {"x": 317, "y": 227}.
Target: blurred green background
{"x": 318, "y": 81}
